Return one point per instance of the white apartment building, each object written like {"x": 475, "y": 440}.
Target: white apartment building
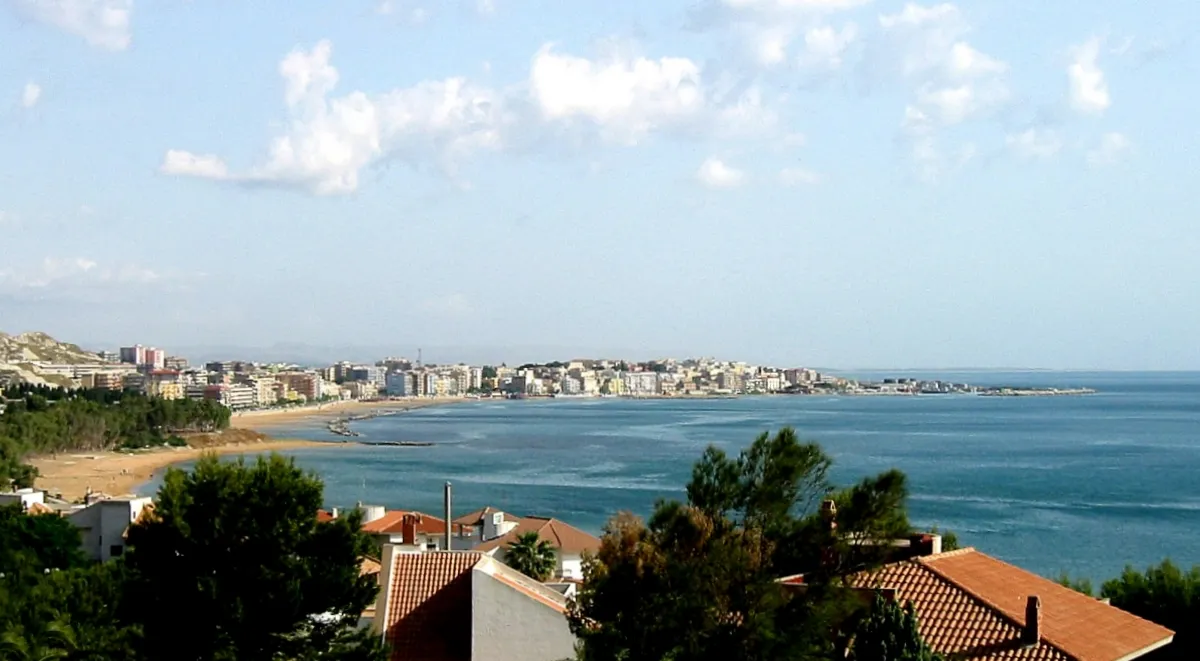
{"x": 640, "y": 384}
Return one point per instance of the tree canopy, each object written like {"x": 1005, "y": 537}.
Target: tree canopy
{"x": 234, "y": 565}
{"x": 699, "y": 580}
{"x": 1165, "y": 595}
{"x": 41, "y": 419}
{"x": 531, "y": 555}
{"x": 889, "y": 632}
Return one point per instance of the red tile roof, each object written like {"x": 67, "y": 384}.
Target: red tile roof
{"x": 476, "y": 518}
{"x": 429, "y": 606}
{"x": 391, "y": 524}
{"x": 973, "y": 605}
{"x": 324, "y": 516}
{"x": 562, "y": 536}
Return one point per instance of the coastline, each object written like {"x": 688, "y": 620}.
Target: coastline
{"x": 266, "y": 419}
{"x": 118, "y": 473}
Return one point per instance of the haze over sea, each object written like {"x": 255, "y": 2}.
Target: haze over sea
{"x": 1083, "y": 484}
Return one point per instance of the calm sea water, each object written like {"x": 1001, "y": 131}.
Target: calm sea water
{"x": 1077, "y": 484}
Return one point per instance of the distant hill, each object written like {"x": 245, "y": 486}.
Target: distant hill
{"x": 20, "y": 354}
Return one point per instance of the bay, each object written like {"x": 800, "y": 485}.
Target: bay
{"x": 1078, "y": 484}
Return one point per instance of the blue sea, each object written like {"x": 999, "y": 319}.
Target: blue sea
{"x": 1078, "y": 484}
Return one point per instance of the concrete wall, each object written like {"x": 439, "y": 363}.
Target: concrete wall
{"x": 104, "y": 523}
{"x": 570, "y": 565}
{"x": 506, "y": 624}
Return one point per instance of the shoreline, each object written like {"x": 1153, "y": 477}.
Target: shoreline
{"x": 267, "y": 419}
{"x": 118, "y": 473}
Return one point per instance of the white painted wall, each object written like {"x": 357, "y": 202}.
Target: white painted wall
{"x": 103, "y": 525}
{"x": 506, "y": 624}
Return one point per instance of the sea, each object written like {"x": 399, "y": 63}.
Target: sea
{"x": 1083, "y": 485}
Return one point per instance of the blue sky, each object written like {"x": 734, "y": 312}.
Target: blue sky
{"x": 841, "y": 183}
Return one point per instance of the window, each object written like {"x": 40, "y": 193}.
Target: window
{"x": 116, "y": 550}
{"x": 431, "y": 546}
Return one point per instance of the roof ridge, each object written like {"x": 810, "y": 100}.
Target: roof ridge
{"x": 987, "y": 603}
{"x": 947, "y": 554}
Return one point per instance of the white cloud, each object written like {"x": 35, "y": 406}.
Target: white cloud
{"x": 485, "y": 7}
{"x": 713, "y": 173}
{"x": 102, "y": 23}
{"x": 957, "y": 103}
{"x": 825, "y": 47}
{"x": 790, "y": 6}
{"x": 330, "y": 140}
{"x": 30, "y": 95}
{"x": 76, "y": 271}
{"x": 1088, "y": 87}
{"x": 799, "y": 177}
{"x": 1035, "y": 143}
{"x": 1112, "y": 149}
{"x": 627, "y": 97}
{"x": 205, "y": 166}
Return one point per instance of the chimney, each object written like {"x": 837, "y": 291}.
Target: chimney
{"x": 408, "y": 529}
{"x": 1031, "y": 634}
{"x": 829, "y": 514}
{"x": 333, "y": 512}
{"x": 446, "y": 547}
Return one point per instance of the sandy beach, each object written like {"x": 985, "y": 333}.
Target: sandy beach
{"x": 119, "y": 473}
{"x": 266, "y": 419}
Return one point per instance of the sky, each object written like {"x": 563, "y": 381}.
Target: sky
{"x": 843, "y": 183}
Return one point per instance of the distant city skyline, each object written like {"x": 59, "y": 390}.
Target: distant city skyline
{"x": 855, "y": 184}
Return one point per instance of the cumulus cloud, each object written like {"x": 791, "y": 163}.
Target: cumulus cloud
{"x": 714, "y": 173}
{"x": 30, "y": 95}
{"x": 825, "y": 47}
{"x": 1088, "y": 87}
{"x": 628, "y": 97}
{"x": 799, "y": 177}
{"x": 1034, "y": 143}
{"x": 102, "y": 23}
{"x": 330, "y": 139}
{"x": 1112, "y": 149}
{"x": 951, "y": 81}
{"x": 66, "y": 275}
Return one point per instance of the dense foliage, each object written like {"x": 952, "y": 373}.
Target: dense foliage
{"x": 888, "y": 632}
{"x": 231, "y": 564}
{"x": 238, "y": 549}
{"x": 700, "y": 579}
{"x": 40, "y": 419}
{"x": 531, "y": 555}
{"x": 1164, "y": 594}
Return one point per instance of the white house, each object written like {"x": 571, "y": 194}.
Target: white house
{"x": 488, "y": 523}
{"x": 103, "y": 524}
{"x": 569, "y": 542}
{"x": 26, "y": 497}
{"x": 462, "y": 605}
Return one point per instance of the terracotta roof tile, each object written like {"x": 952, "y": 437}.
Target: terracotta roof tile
{"x": 368, "y": 566}
{"x": 561, "y": 536}
{"x": 39, "y": 508}
{"x": 973, "y": 605}
{"x": 429, "y": 609}
{"x": 324, "y": 516}
{"x": 476, "y": 518}
{"x": 390, "y": 524}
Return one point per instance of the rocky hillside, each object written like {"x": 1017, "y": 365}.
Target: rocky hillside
{"x": 20, "y": 354}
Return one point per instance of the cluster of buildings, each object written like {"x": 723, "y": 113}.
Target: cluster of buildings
{"x": 445, "y": 591}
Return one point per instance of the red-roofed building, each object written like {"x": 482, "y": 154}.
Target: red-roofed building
{"x": 974, "y": 607}
{"x": 569, "y": 542}
{"x": 460, "y": 606}
{"x": 425, "y": 531}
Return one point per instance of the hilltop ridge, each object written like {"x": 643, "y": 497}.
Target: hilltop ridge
{"x": 21, "y": 355}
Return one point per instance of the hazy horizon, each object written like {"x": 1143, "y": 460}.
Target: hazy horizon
{"x": 793, "y": 182}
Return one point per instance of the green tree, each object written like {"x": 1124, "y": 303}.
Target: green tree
{"x": 531, "y": 555}
{"x": 32, "y": 545}
{"x": 888, "y": 632}
{"x": 699, "y": 580}
{"x": 234, "y": 565}
{"x": 1165, "y": 595}
{"x": 1080, "y": 585}
{"x": 55, "y": 641}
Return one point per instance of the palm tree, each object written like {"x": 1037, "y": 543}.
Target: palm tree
{"x": 56, "y": 641}
{"x": 531, "y": 555}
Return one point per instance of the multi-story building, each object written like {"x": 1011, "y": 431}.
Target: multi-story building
{"x": 475, "y": 378}
{"x": 640, "y": 384}
{"x": 134, "y": 355}
{"x": 158, "y": 382}
{"x": 429, "y": 384}
{"x": 154, "y": 359}
{"x": 570, "y": 385}
{"x": 107, "y": 380}
{"x": 308, "y": 384}
{"x": 177, "y": 363}
{"x": 110, "y": 356}
{"x": 369, "y": 374}
{"x": 362, "y": 389}
{"x": 266, "y": 390}
{"x": 400, "y": 384}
